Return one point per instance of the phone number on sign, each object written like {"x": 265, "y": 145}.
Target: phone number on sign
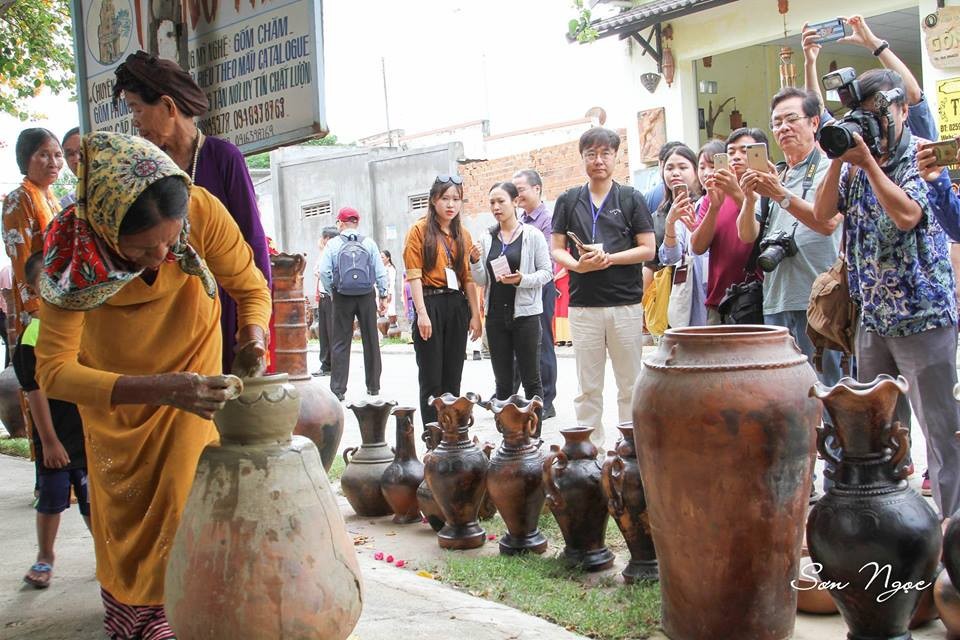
{"x": 253, "y": 135}
{"x": 258, "y": 114}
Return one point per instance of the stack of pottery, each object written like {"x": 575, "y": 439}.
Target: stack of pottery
{"x": 571, "y": 480}
{"x": 870, "y": 500}
{"x": 623, "y": 490}
{"x": 724, "y": 432}
{"x": 456, "y": 472}
{"x": 401, "y": 479}
{"x": 262, "y": 550}
{"x": 360, "y": 482}
{"x": 428, "y": 506}
{"x": 515, "y": 475}
{"x": 321, "y": 414}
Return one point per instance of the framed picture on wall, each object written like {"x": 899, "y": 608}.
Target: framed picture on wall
{"x": 652, "y": 124}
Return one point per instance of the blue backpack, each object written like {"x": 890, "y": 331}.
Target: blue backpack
{"x": 354, "y": 273}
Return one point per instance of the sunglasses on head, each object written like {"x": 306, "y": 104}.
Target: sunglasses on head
{"x": 443, "y": 179}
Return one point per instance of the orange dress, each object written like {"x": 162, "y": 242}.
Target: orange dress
{"x": 142, "y": 459}
{"x": 27, "y": 210}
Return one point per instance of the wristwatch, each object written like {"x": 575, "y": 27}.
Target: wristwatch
{"x": 785, "y": 203}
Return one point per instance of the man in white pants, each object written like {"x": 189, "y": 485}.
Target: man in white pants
{"x": 615, "y": 228}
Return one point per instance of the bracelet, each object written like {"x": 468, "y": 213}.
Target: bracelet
{"x": 884, "y": 45}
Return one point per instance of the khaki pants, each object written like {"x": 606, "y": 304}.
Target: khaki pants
{"x": 597, "y": 331}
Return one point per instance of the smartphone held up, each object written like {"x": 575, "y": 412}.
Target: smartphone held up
{"x": 945, "y": 151}
{"x": 829, "y": 30}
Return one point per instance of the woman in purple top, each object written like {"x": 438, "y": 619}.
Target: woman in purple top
{"x": 164, "y": 101}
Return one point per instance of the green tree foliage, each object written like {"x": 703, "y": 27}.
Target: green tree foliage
{"x": 262, "y": 160}
{"x": 36, "y": 51}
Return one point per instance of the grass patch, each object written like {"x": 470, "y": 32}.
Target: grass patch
{"x": 336, "y": 469}
{"x": 19, "y": 447}
{"x": 400, "y": 340}
{"x": 545, "y": 587}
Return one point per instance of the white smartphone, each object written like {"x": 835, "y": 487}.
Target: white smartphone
{"x": 721, "y": 161}
{"x": 757, "y": 157}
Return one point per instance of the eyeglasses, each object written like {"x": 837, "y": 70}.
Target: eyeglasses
{"x": 606, "y": 155}
{"x": 776, "y": 125}
{"x": 443, "y": 179}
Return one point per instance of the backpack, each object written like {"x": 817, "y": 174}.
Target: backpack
{"x": 354, "y": 273}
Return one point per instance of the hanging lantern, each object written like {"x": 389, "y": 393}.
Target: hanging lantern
{"x": 667, "y": 64}
{"x": 707, "y": 62}
{"x": 788, "y": 70}
{"x": 650, "y": 81}
{"x": 736, "y": 119}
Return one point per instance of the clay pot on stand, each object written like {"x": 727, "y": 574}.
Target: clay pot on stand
{"x": 456, "y": 472}
{"x": 724, "y": 432}
{"x": 515, "y": 476}
{"x": 261, "y": 527}
{"x": 571, "y": 481}
{"x": 623, "y": 491}
{"x": 400, "y": 480}
{"x": 321, "y": 414}
{"x": 871, "y": 500}
{"x": 360, "y": 482}
{"x": 428, "y": 506}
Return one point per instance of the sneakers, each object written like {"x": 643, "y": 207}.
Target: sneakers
{"x": 549, "y": 412}
{"x": 321, "y": 372}
{"x": 925, "y": 488}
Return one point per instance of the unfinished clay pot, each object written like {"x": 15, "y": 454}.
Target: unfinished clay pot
{"x": 360, "y": 482}
{"x": 571, "y": 481}
{"x": 724, "y": 432}
{"x": 262, "y": 550}
{"x": 871, "y": 500}
{"x": 428, "y": 506}
{"x": 515, "y": 476}
{"x": 401, "y": 479}
{"x": 11, "y": 413}
{"x": 456, "y": 472}
{"x": 321, "y": 414}
{"x": 623, "y": 490}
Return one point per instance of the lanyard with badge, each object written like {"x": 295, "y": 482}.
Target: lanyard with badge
{"x": 595, "y": 212}
{"x": 452, "y": 282}
{"x": 500, "y": 265}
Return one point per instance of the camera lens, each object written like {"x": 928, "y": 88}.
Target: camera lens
{"x": 770, "y": 257}
{"x": 836, "y": 139}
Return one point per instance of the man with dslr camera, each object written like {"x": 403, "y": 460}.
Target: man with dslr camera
{"x": 795, "y": 246}
{"x": 898, "y": 263}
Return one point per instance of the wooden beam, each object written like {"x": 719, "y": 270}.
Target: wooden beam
{"x": 656, "y": 52}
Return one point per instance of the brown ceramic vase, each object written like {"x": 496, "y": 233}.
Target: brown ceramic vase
{"x": 262, "y": 550}
{"x": 871, "y": 500}
{"x": 515, "y": 476}
{"x": 401, "y": 479}
{"x": 456, "y": 472}
{"x": 623, "y": 491}
{"x": 724, "y": 432}
{"x": 571, "y": 481}
{"x": 428, "y": 506}
{"x": 321, "y": 414}
{"x": 360, "y": 482}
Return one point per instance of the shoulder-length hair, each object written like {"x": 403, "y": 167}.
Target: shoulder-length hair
{"x": 686, "y": 153}
{"x": 433, "y": 235}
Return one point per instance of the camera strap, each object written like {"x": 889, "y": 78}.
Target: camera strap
{"x": 813, "y": 162}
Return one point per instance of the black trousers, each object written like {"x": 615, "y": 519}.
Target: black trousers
{"x": 440, "y": 359}
{"x": 325, "y": 330}
{"x": 548, "y": 356}
{"x": 515, "y": 342}
{"x": 345, "y": 309}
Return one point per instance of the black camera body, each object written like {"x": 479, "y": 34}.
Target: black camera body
{"x": 836, "y": 138}
{"x": 776, "y": 247}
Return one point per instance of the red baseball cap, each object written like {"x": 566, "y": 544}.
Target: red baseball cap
{"x": 347, "y": 214}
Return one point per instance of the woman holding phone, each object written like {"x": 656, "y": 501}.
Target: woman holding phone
{"x": 514, "y": 266}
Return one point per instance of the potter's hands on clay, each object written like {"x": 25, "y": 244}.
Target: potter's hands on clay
{"x": 250, "y": 360}
{"x": 192, "y": 392}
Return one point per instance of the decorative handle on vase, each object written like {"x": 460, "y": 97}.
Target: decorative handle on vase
{"x": 899, "y": 441}
{"x": 824, "y": 432}
{"x": 488, "y": 448}
{"x": 348, "y": 454}
{"x": 550, "y": 487}
{"x": 530, "y": 426}
{"x": 611, "y": 479}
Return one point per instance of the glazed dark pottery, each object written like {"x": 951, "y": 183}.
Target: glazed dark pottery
{"x": 428, "y": 506}
{"x": 360, "y": 482}
{"x": 401, "y": 479}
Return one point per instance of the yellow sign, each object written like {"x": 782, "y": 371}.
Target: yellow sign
{"x": 948, "y": 107}
{"x": 942, "y": 35}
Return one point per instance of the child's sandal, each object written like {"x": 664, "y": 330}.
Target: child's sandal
{"x": 43, "y": 569}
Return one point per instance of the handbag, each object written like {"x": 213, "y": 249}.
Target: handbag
{"x": 743, "y": 302}
{"x": 832, "y": 315}
{"x": 656, "y": 300}
{"x": 681, "y": 295}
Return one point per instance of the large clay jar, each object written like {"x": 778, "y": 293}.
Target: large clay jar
{"x": 428, "y": 506}
{"x": 321, "y": 414}
{"x": 871, "y": 501}
{"x": 262, "y": 551}
{"x": 724, "y": 431}
{"x": 515, "y": 476}
{"x": 623, "y": 491}
{"x": 401, "y": 479}
{"x": 571, "y": 481}
{"x": 456, "y": 472}
{"x": 360, "y": 482}
{"x": 11, "y": 413}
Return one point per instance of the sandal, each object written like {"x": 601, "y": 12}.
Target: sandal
{"x": 43, "y": 569}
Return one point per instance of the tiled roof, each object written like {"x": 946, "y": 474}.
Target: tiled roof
{"x": 646, "y": 15}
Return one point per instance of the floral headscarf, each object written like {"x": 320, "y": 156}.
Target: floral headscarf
{"x": 83, "y": 267}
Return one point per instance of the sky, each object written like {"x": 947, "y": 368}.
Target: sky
{"x": 447, "y": 62}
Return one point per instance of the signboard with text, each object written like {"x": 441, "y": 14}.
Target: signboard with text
{"x": 942, "y": 37}
{"x": 260, "y": 64}
{"x": 948, "y": 108}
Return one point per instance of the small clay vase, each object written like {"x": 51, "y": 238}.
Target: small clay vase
{"x": 360, "y": 482}
{"x": 383, "y": 324}
{"x": 394, "y": 330}
{"x": 515, "y": 476}
{"x": 571, "y": 481}
{"x": 871, "y": 500}
{"x": 428, "y": 506}
{"x": 400, "y": 480}
{"x": 456, "y": 472}
{"x": 487, "y": 508}
{"x": 947, "y": 600}
{"x": 623, "y": 490}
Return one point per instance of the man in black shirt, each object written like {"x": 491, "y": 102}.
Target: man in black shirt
{"x": 602, "y": 232}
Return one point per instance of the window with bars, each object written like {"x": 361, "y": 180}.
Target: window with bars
{"x": 322, "y": 208}
{"x": 419, "y": 203}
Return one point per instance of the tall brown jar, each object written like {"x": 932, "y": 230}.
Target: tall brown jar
{"x": 724, "y": 431}
{"x": 571, "y": 481}
{"x": 400, "y": 480}
{"x": 360, "y": 482}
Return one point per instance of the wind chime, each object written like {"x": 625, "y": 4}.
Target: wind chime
{"x": 788, "y": 70}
